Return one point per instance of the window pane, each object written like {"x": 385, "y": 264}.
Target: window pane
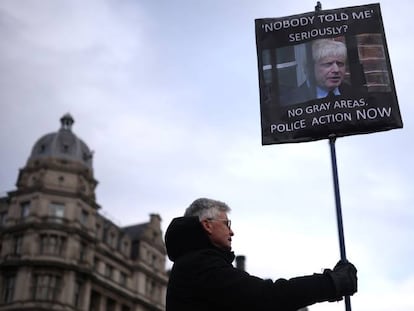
{"x": 52, "y": 244}
{"x": 77, "y": 293}
{"x": 84, "y": 217}
{"x": 3, "y": 218}
{"x": 57, "y": 210}
{"x": 18, "y": 241}
{"x": 46, "y": 286}
{"x": 8, "y": 288}
{"x": 25, "y": 209}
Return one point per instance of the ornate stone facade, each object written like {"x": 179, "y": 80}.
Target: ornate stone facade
{"x": 59, "y": 253}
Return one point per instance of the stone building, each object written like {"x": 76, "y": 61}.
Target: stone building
{"x": 57, "y": 252}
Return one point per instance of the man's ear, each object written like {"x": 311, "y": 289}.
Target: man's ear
{"x": 206, "y": 226}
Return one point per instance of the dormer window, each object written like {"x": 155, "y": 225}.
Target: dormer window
{"x": 42, "y": 148}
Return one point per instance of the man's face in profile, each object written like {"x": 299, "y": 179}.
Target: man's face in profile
{"x": 330, "y": 72}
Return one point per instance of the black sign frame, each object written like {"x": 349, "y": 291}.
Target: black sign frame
{"x": 284, "y": 48}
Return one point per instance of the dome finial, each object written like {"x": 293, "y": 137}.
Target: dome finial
{"x": 67, "y": 122}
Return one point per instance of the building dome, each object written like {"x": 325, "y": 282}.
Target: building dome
{"x": 63, "y": 144}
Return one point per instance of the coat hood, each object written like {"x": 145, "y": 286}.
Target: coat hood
{"x": 183, "y": 235}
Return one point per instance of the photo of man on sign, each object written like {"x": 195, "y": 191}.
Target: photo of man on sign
{"x": 329, "y": 60}
{"x": 326, "y": 74}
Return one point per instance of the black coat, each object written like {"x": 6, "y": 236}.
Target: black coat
{"x": 203, "y": 278}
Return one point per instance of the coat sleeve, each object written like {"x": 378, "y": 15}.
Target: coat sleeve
{"x": 234, "y": 289}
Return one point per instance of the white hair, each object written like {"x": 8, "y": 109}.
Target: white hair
{"x": 322, "y": 48}
{"x": 206, "y": 208}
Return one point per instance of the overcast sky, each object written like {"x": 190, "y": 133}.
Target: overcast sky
{"x": 166, "y": 95}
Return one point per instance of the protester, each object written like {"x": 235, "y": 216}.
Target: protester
{"x": 203, "y": 277}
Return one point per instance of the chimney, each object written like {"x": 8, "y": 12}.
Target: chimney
{"x": 240, "y": 262}
{"x": 155, "y": 220}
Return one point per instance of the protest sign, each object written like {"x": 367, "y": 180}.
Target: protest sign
{"x": 302, "y": 57}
